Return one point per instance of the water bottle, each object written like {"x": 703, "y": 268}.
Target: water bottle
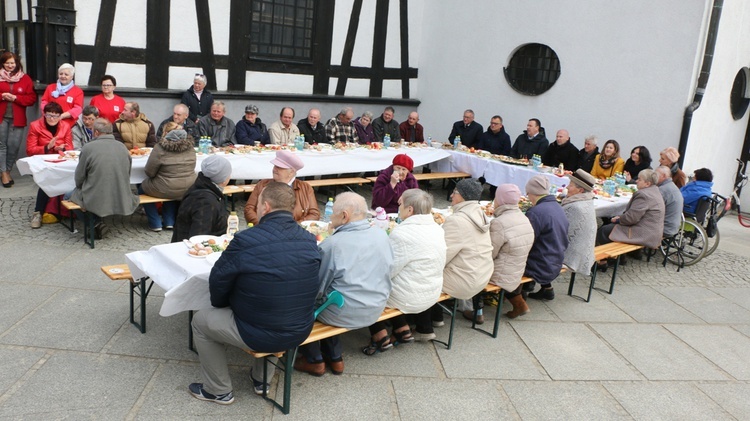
{"x": 456, "y": 142}
{"x": 387, "y": 141}
{"x": 204, "y": 143}
{"x": 429, "y": 140}
{"x": 329, "y": 210}
{"x": 609, "y": 187}
{"x": 233, "y": 224}
{"x": 302, "y": 138}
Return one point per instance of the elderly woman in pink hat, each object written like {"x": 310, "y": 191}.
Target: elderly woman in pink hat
{"x": 393, "y": 182}
{"x": 285, "y": 167}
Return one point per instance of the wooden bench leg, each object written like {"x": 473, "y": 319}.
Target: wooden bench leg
{"x": 287, "y": 368}
{"x": 496, "y": 326}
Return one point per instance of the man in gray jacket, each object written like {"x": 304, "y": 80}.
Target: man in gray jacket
{"x": 673, "y": 201}
{"x": 385, "y": 124}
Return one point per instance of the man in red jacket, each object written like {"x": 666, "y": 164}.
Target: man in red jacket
{"x": 411, "y": 130}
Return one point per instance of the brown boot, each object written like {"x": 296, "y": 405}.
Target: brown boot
{"x": 519, "y": 307}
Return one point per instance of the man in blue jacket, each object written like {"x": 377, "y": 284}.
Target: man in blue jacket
{"x": 263, "y": 290}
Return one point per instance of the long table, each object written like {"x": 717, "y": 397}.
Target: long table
{"x": 57, "y": 178}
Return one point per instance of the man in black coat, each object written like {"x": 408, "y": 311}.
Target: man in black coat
{"x": 263, "y": 290}
{"x": 561, "y": 152}
{"x": 531, "y": 142}
{"x": 587, "y": 155}
{"x": 468, "y": 129}
{"x": 495, "y": 140}
{"x": 311, "y": 127}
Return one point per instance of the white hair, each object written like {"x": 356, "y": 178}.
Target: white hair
{"x": 67, "y": 66}
{"x": 353, "y": 203}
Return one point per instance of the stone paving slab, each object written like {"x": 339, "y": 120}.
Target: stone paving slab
{"x": 569, "y": 309}
{"x": 15, "y": 362}
{"x": 19, "y": 300}
{"x": 739, "y": 296}
{"x": 732, "y": 397}
{"x": 722, "y": 345}
{"x": 665, "y": 401}
{"x": 16, "y": 267}
{"x": 706, "y": 304}
{"x": 563, "y": 401}
{"x": 745, "y": 329}
{"x": 646, "y": 305}
{"x": 81, "y": 270}
{"x": 572, "y": 351}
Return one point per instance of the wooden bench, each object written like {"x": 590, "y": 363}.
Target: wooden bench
{"x": 434, "y": 176}
{"x": 605, "y": 251}
{"x": 137, "y": 287}
{"x": 322, "y": 331}
{"x": 325, "y": 182}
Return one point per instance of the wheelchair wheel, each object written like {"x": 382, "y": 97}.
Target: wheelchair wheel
{"x": 713, "y": 242}
{"x": 689, "y": 245}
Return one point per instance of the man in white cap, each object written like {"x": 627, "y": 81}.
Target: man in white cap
{"x": 202, "y": 211}
{"x": 285, "y": 167}
{"x": 579, "y": 209}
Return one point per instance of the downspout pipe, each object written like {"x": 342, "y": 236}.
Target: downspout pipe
{"x": 708, "y": 57}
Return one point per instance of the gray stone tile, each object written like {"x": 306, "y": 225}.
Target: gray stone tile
{"x": 645, "y": 305}
{"x": 72, "y": 319}
{"x": 19, "y": 300}
{"x": 539, "y": 311}
{"x": 15, "y": 266}
{"x": 569, "y": 351}
{"x": 471, "y": 350}
{"x": 14, "y": 363}
{"x": 739, "y": 296}
{"x": 81, "y": 270}
{"x": 707, "y": 305}
{"x": 80, "y": 385}
{"x": 723, "y": 345}
{"x": 571, "y": 309}
{"x": 665, "y": 401}
{"x": 730, "y": 396}
{"x": 745, "y": 329}
{"x": 426, "y": 399}
{"x": 563, "y": 401}
{"x": 656, "y": 353}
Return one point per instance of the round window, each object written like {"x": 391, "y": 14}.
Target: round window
{"x": 740, "y": 96}
{"x": 533, "y": 69}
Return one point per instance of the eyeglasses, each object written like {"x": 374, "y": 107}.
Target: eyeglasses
{"x": 107, "y": 86}
{"x": 48, "y": 115}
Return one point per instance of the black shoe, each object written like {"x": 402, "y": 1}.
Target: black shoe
{"x": 100, "y": 230}
{"x": 544, "y": 294}
{"x": 528, "y": 286}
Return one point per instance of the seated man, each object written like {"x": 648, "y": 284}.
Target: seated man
{"x": 356, "y": 261}
{"x": 561, "y": 151}
{"x": 385, "y": 124}
{"x": 673, "y": 201}
{"x": 587, "y": 155}
{"x": 341, "y": 128}
{"x": 202, "y": 211}
{"x": 495, "y": 140}
{"x": 180, "y": 116}
{"x": 83, "y": 130}
{"x": 579, "y": 209}
{"x": 468, "y": 129}
{"x": 217, "y": 126}
{"x": 410, "y": 130}
{"x": 643, "y": 220}
{"x": 251, "y": 129}
{"x": 103, "y": 177}
{"x": 261, "y": 302}
{"x": 531, "y": 142}
{"x": 133, "y": 128}
{"x": 284, "y": 131}
{"x": 285, "y": 167}
{"x": 311, "y": 127}
{"x": 550, "y": 238}
{"x": 701, "y": 186}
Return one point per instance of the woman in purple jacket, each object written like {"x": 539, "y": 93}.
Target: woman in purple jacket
{"x": 364, "y": 128}
{"x": 393, "y": 182}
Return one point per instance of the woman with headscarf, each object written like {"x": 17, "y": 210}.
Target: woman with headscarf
{"x": 66, "y": 93}
{"x": 171, "y": 172}
{"x": 393, "y": 182}
{"x": 608, "y": 162}
{"x": 668, "y": 158}
{"x": 17, "y": 93}
{"x": 198, "y": 99}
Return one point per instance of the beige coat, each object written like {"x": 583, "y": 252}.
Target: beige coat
{"x": 643, "y": 220}
{"x": 512, "y": 237}
{"x": 468, "y": 262}
{"x": 170, "y": 169}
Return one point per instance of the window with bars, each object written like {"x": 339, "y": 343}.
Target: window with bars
{"x": 533, "y": 69}
{"x": 739, "y": 97}
{"x": 282, "y": 29}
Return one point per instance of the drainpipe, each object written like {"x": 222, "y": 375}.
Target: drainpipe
{"x": 708, "y": 56}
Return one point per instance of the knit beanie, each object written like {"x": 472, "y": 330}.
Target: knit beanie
{"x": 217, "y": 168}
{"x": 469, "y": 189}
{"x": 507, "y": 194}
{"x": 404, "y": 161}
{"x": 538, "y": 186}
{"x": 176, "y": 135}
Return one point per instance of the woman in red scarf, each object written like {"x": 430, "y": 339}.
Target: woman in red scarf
{"x": 16, "y": 93}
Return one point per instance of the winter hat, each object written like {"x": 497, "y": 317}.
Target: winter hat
{"x": 176, "y": 135}
{"x": 286, "y": 159}
{"x": 252, "y": 109}
{"x": 217, "y": 168}
{"x": 538, "y": 185}
{"x": 583, "y": 180}
{"x": 507, "y": 194}
{"x": 469, "y": 189}
{"x": 671, "y": 154}
{"x": 404, "y": 161}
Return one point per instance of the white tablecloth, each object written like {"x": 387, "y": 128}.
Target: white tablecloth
{"x": 56, "y": 178}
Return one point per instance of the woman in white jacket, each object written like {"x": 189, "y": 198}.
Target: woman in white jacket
{"x": 419, "y": 253}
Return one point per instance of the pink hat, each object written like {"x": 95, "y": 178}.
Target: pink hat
{"x": 286, "y": 159}
{"x": 507, "y": 194}
{"x": 671, "y": 154}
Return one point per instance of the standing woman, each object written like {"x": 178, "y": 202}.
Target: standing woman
{"x": 608, "y": 163}
{"x": 109, "y": 105}
{"x": 198, "y": 99}
{"x": 668, "y": 158}
{"x": 66, "y": 93}
{"x": 16, "y": 89}
{"x": 640, "y": 159}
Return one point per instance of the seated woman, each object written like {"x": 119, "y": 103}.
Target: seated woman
{"x": 364, "y": 128}
{"x": 393, "y": 182}
{"x": 579, "y": 209}
{"x": 419, "y": 251}
{"x": 669, "y": 157}
{"x": 171, "y": 172}
{"x": 608, "y": 162}
{"x": 285, "y": 167}
{"x": 701, "y": 186}
{"x": 640, "y": 159}
{"x": 48, "y": 135}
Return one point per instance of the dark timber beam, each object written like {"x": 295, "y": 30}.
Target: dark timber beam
{"x": 239, "y": 44}
{"x": 404, "y": 18}
{"x": 206, "y": 42}
{"x": 102, "y": 41}
{"x": 351, "y": 38}
{"x": 321, "y": 52}
{"x": 157, "y": 43}
{"x": 378, "y": 48}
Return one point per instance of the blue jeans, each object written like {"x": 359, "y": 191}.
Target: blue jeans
{"x": 168, "y": 212}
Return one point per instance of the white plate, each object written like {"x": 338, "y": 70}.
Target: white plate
{"x": 201, "y": 238}
{"x": 212, "y": 258}
{"x": 392, "y": 215}
{"x": 198, "y": 257}
{"x": 484, "y": 202}
{"x": 138, "y": 156}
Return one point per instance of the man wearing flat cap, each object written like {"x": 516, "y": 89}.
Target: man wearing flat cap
{"x": 285, "y": 167}
{"x": 250, "y": 129}
{"x": 202, "y": 211}
{"x": 579, "y": 209}
{"x": 393, "y": 182}
{"x": 550, "y": 238}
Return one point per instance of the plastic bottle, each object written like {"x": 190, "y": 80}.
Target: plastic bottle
{"x": 233, "y": 224}
{"x": 381, "y": 218}
{"x": 456, "y": 142}
{"x": 386, "y": 140}
{"x": 329, "y": 210}
{"x": 429, "y": 140}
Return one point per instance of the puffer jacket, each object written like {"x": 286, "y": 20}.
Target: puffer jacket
{"x": 468, "y": 260}
{"x": 269, "y": 277}
{"x": 550, "y": 240}
{"x": 139, "y": 133}
{"x": 170, "y": 169}
{"x": 201, "y": 212}
{"x": 512, "y": 237}
{"x": 418, "y": 246}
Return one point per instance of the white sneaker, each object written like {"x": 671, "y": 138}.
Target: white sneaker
{"x": 424, "y": 337}
{"x": 439, "y": 323}
{"x": 36, "y": 220}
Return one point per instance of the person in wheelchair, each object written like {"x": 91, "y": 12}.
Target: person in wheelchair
{"x": 701, "y": 186}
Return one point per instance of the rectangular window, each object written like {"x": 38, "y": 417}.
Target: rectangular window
{"x": 282, "y": 29}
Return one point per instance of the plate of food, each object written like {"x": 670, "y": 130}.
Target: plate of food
{"x": 140, "y": 152}
{"x": 488, "y": 207}
{"x": 203, "y": 245}
{"x": 317, "y": 228}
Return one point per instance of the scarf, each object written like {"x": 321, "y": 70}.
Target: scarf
{"x": 9, "y": 77}
{"x": 674, "y": 168}
{"x": 606, "y": 163}
{"x": 62, "y": 90}
{"x": 580, "y": 197}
